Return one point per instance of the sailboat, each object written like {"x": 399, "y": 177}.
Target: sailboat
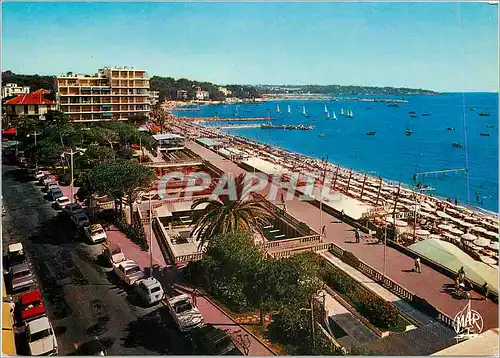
{"x": 408, "y": 131}
{"x": 334, "y": 116}
{"x": 304, "y": 110}
{"x": 289, "y": 109}
{"x": 326, "y": 109}
{"x": 349, "y": 113}
{"x": 278, "y": 108}
{"x": 342, "y": 111}
{"x": 327, "y": 115}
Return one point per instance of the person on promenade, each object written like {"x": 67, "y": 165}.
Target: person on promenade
{"x": 323, "y": 231}
{"x": 417, "y": 265}
{"x": 194, "y": 294}
{"x": 356, "y": 234}
{"x": 461, "y": 274}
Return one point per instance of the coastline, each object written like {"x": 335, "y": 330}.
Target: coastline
{"x": 405, "y": 187}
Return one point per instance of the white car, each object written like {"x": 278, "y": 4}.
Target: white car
{"x": 62, "y": 202}
{"x": 114, "y": 253}
{"x": 128, "y": 271}
{"x": 41, "y": 337}
{"x": 39, "y": 174}
{"x": 150, "y": 290}
{"x": 185, "y": 314}
{"x": 95, "y": 233}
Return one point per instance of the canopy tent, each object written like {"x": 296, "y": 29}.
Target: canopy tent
{"x": 469, "y": 237}
{"x": 451, "y": 257}
{"x": 482, "y": 242}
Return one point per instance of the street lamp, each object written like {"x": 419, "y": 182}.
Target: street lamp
{"x": 34, "y": 134}
{"x": 150, "y": 235}
{"x": 72, "y": 153}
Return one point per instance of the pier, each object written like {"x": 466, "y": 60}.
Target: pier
{"x": 224, "y": 119}
{"x": 238, "y": 126}
{"x": 300, "y": 127}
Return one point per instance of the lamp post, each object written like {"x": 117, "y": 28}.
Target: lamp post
{"x": 35, "y": 134}
{"x": 311, "y": 309}
{"x": 150, "y": 235}
{"x": 71, "y": 154}
{"x": 325, "y": 162}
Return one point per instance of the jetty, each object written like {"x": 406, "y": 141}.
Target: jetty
{"x": 224, "y": 119}
{"x": 238, "y": 126}
{"x": 300, "y": 127}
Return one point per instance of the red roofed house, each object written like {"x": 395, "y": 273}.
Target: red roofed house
{"x": 30, "y": 104}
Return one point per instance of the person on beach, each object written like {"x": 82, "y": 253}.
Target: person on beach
{"x": 417, "y": 265}
{"x": 323, "y": 231}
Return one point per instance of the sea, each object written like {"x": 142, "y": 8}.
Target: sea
{"x": 389, "y": 153}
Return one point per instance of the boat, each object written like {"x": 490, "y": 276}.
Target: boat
{"x": 426, "y": 114}
{"x": 485, "y": 134}
{"x": 456, "y": 145}
{"x": 412, "y": 112}
{"x": 327, "y": 115}
{"x": 334, "y": 116}
{"x": 278, "y": 108}
{"x": 450, "y": 129}
{"x": 304, "y": 111}
{"x": 490, "y": 126}
{"x": 472, "y": 109}
{"x": 349, "y": 113}
{"x": 342, "y": 111}
{"x": 484, "y": 114}
{"x": 408, "y": 132}
{"x": 413, "y": 116}
{"x": 289, "y": 109}
{"x": 326, "y": 109}
{"x": 371, "y": 133}
{"x": 421, "y": 187}
{"x": 321, "y": 135}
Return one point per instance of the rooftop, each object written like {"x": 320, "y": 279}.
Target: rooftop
{"x": 34, "y": 98}
{"x": 167, "y": 136}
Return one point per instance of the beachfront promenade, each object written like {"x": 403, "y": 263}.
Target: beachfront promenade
{"x": 430, "y": 285}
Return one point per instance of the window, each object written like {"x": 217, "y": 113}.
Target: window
{"x": 26, "y": 109}
{"x": 36, "y": 108}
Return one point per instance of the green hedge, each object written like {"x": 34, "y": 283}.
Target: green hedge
{"x": 134, "y": 232}
{"x": 379, "y": 312}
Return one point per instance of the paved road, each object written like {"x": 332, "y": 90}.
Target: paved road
{"x": 83, "y": 299}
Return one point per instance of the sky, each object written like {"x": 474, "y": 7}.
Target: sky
{"x": 438, "y": 46}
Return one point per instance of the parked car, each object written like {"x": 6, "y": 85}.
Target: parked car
{"x": 95, "y": 233}
{"x": 81, "y": 220}
{"x": 114, "y": 253}
{"x": 21, "y": 277}
{"x": 150, "y": 290}
{"x": 30, "y": 305}
{"x": 54, "y": 193}
{"x": 38, "y": 175}
{"x": 210, "y": 340}
{"x": 45, "y": 181}
{"x": 49, "y": 184}
{"x": 61, "y": 202}
{"x": 72, "y": 209}
{"x": 41, "y": 337}
{"x": 16, "y": 254}
{"x": 128, "y": 271}
{"x": 185, "y": 314}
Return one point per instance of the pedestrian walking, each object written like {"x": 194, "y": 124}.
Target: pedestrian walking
{"x": 461, "y": 274}
{"x": 417, "y": 265}
{"x": 194, "y": 294}
{"x": 323, "y": 231}
{"x": 357, "y": 235}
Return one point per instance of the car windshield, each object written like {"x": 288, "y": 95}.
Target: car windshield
{"x": 21, "y": 274}
{"x": 155, "y": 289}
{"x": 62, "y": 201}
{"x": 98, "y": 232}
{"x": 133, "y": 270}
{"x": 81, "y": 218}
{"x": 116, "y": 251}
{"x": 40, "y": 335}
{"x": 183, "y": 306}
{"x": 31, "y": 305}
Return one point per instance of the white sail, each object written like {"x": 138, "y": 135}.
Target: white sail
{"x": 327, "y": 115}
{"x": 351, "y": 114}
{"x": 334, "y": 115}
{"x": 326, "y": 109}
{"x": 342, "y": 111}
{"x": 304, "y": 110}
{"x": 278, "y": 108}
{"x": 289, "y": 109}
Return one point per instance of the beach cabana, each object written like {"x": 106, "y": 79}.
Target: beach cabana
{"x": 493, "y": 246}
{"x": 452, "y": 257}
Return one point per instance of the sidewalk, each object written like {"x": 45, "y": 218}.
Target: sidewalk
{"x": 371, "y": 285}
{"x": 167, "y": 275}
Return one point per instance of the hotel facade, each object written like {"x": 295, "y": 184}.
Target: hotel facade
{"x": 114, "y": 93}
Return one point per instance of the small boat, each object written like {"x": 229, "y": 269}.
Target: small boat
{"x": 349, "y": 113}
{"x": 450, "y": 129}
{"x": 326, "y": 109}
{"x": 484, "y": 114}
{"x": 408, "y": 132}
{"x": 413, "y": 116}
{"x": 490, "y": 126}
{"x": 426, "y": 114}
{"x": 485, "y": 134}
{"x": 321, "y": 135}
{"x": 334, "y": 116}
{"x": 394, "y": 105}
{"x": 289, "y": 109}
{"x": 425, "y": 187}
{"x": 342, "y": 111}
{"x": 472, "y": 109}
{"x": 327, "y": 115}
{"x": 369, "y": 108}
{"x": 456, "y": 145}
{"x": 412, "y": 112}
{"x": 304, "y": 111}
{"x": 371, "y": 133}
{"x": 278, "y": 108}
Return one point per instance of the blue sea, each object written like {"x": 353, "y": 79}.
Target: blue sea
{"x": 390, "y": 153}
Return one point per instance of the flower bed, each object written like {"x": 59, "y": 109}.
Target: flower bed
{"x": 134, "y": 232}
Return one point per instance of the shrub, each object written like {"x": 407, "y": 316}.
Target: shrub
{"x": 134, "y": 232}
{"x": 65, "y": 179}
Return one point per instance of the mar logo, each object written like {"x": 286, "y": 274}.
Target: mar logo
{"x": 468, "y": 321}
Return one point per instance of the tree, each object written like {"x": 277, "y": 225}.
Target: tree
{"x": 223, "y": 215}
{"x": 97, "y": 154}
{"x": 138, "y": 119}
{"x": 56, "y": 117}
{"x": 159, "y": 115}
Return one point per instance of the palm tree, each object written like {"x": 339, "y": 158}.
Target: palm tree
{"x": 223, "y": 215}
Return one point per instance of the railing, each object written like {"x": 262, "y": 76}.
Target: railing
{"x": 291, "y": 243}
{"x": 163, "y": 239}
{"x": 391, "y": 285}
{"x": 188, "y": 258}
{"x": 297, "y": 250}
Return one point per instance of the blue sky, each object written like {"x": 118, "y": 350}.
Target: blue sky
{"x": 440, "y": 46}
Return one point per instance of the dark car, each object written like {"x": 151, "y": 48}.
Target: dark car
{"x": 54, "y": 193}
{"x": 21, "y": 277}
{"x": 210, "y": 340}
{"x": 72, "y": 209}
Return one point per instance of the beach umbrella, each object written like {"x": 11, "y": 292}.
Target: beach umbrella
{"x": 422, "y": 232}
{"x": 493, "y": 246}
{"x": 479, "y": 229}
{"x": 434, "y": 236}
{"x": 445, "y": 227}
{"x": 450, "y": 236}
{"x": 482, "y": 242}
{"x": 466, "y": 224}
{"x": 442, "y": 214}
{"x": 469, "y": 237}
{"x": 456, "y": 231}
{"x": 492, "y": 234}
{"x": 488, "y": 260}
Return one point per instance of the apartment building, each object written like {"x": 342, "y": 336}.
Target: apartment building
{"x": 154, "y": 97}
{"x": 114, "y": 93}
{"x": 12, "y": 89}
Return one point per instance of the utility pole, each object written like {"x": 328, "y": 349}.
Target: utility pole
{"x": 150, "y": 235}
{"x": 140, "y": 148}
{"x": 35, "y": 134}
{"x": 325, "y": 161}
{"x": 72, "y": 153}
{"x": 378, "y": 192}
{"x": 395, "y": 204}
{"x": 336, "y": 173}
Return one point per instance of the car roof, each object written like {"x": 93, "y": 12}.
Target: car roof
{"x": 69, "y": 206}
{"x": 38, "y": 324}
{"x": 15, "y": 247}
{"x": 20, "y": 267}
{"x": 81, "y": 215}
{"x": 62, "y": 198}
{"x": 149, "y": 282}
{"x": 95, "y": 227}
{"x": 113, "y": 246}
{"x": 31, "y": 296}
{"x": 54, "y": 190}
{"x": 179, "y": 298}
{"x": 128, "y": 264}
